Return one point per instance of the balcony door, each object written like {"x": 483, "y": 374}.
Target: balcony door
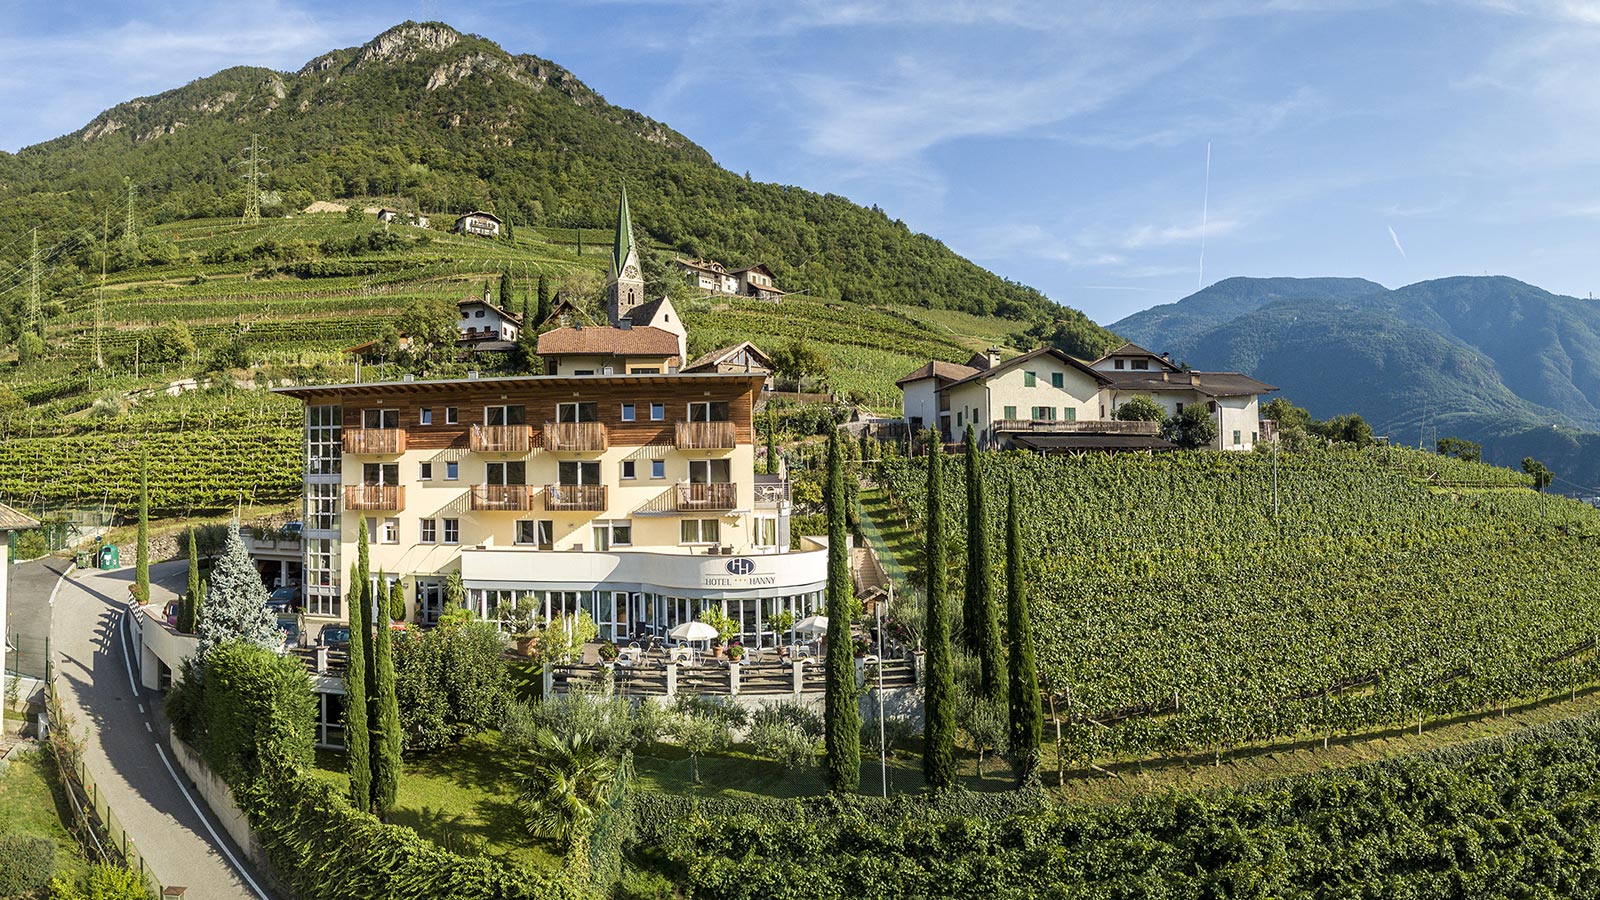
{"x": 380, "y": 418}
{"x": 577, "y": 412}
{"x": 505, "y": 415}
{"x": 501, "y": 474}
{"x": 710, "y": 471}
{"x": 373, "y": 474}
{"x": 571, "y": 472}
{"x": 708, "y": 412}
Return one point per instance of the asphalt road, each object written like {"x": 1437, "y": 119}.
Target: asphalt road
{"x": 124, "y": 751}
{"x": 28, "y": 613}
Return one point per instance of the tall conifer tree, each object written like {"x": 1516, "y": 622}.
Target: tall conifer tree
{"x": 544, "y": 303}
{"x": 385, "y": 726}
{"x": 842, "y": 711}
{"x": 189, "y": 610}
{"x": 141, "y": 566}
{"x": 982, "y": 625}
{"x": 357, "y": 742}
{"x": 939, "y": 689}
{"x": 1026, "y": 715}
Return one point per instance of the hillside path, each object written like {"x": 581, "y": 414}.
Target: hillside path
{"x": 123, "y": 748}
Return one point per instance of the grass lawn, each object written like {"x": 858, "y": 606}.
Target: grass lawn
{"x": 31, "y": 802}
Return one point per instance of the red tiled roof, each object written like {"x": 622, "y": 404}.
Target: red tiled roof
{"x": 607, "y": 341}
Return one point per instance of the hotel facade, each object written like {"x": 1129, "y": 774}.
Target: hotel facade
{"x": 632, "y": 497}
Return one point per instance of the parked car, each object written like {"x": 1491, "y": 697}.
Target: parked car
{"x": 285, "y": 598}
{"x": 334, "y": 637}
{"x": 290, "y": 626}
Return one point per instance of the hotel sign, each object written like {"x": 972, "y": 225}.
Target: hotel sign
{"x": 741, "y": 572}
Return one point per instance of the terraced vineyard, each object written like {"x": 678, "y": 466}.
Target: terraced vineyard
{"x": 1176, "y": 611}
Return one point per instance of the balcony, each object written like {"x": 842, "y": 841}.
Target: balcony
{"x": 772, "y": 492}
{"x": 704, "y": 435}
{"x": 378, "y": 441}
{"x": 694, "y": 497}
{"x": 575, "y": 437}
{"x": 502, "y": 438}
{"x": 504, "y": 496}
{"x": 575, "y": 497}
{"x": 377, "y": 497}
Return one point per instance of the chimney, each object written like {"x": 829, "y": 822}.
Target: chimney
{"x": 993, "y": 355}
{"x": 1194, "y": 380}
{"x": 625, "y": 324}
{"x": 1165, "y": 376}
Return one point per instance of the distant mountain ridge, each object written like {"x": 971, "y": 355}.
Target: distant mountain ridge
{"x": 1487, "y": 358}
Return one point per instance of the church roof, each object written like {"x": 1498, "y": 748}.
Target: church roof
{"x": 624, "y": 239}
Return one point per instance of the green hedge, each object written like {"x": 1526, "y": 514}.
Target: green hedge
{"x": 26, "y": 863}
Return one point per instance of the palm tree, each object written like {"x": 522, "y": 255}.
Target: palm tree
{"x": 566, "y": 787}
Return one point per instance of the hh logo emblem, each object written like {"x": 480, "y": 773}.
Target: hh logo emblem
{"x": 741, "y": 566}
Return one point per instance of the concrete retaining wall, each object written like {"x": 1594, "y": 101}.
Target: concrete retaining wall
{"x": 219, "y": 798}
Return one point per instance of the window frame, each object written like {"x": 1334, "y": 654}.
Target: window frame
{"x": 427, "y": 531}
{"x": 425, "y": 416}
{"x": 628, "y": 413}
{"x": 447, "y": 526}
{"x": 452, "y": 415}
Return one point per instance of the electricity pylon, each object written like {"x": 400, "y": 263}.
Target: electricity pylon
{"x": 130, "y": 227}
{"x": 252, "y": 180}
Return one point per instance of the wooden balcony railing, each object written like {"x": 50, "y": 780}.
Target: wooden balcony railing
{"x": 705, "y": 435}
{"x": 1087, "y": 426}
{"x": 504, "y": 496}
{"x": 375, "y": 496}
{"x": 386, "y": 441}
{"x": 562, "y": 437}
{"x": 559, "y": 497}
{"x": 502, "y": 438}
{"x": 707, "y": 496}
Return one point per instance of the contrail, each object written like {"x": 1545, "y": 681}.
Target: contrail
{"x": 1205, "y": 207}
{"x": 1397, "y": 246}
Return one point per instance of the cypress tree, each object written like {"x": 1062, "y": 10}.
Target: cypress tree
{"x": 544, "y": 303}
{"x": 141, "y": 566}
{"x": 397, "y": 601}
{"x": 189, "y": 610}
{"x": 772, "y": 443}
{"x": 982, "y": 626}
{"x": 939, "y": 690}
{"x": 1026, "y": 717}
{"x": 505, "y": 290}
{"x": 385, "y": 726}
{"x": 356, "y": 740}
{"x": 842, "y": 710}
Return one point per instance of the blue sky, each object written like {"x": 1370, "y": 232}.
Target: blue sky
{"x": 1059, "y": 144}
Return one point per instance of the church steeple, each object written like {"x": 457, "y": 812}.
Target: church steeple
{"x": 626, "y": 287}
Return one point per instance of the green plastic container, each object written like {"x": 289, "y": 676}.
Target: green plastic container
{"x": 109, "y": 557}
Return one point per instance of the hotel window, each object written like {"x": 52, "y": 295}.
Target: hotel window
{"x": 504, "y": 415}
{"x": 427, "y": 531}
{"x": 540, "y": 533}
{"x": 1011, "y": 412}
{"x": 321, "y": 574}
{"x": 503, "y": 473}
{"x": 1029, "y": 379}
{"x": 658, "y": 412}
{"x": 1044, "y": 413}
{"x": 322, "y": 507}
{"x": 652, "y": 370}
{"x": 380, "y": 418}
{"x": 627, "y": 412}
{"x": 573, "y": 472}
{"x": 710, "y": 471}
{"x": 1058, "y": 379}
{"x": 452, "y": 531}
{"x": 577, "y": 412}
{"x": 450, "y": 416}
{"x": 425, "y": 416}
{"x": 629, "y": 472}
{"x": 390, "y": 533}
{"x": 324, "y": 446}
{"x": 452, "y": 471}
{"x": 658, "y": 468}
{"x": 700, "y": 531}
{"x": 425, "y": 471}
{"x": 612, "y": 534}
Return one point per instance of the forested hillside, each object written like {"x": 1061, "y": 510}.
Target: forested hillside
{"x": 424, "y": 117}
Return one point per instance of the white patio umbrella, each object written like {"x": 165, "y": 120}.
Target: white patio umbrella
{"x": 693, "y": 631}
{"x": 812, "y": 625}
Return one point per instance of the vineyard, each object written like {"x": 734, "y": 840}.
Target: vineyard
{"x": 1176, "y": 612}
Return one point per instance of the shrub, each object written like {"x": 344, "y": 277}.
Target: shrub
{"x": 450, "y": 683}
{"x": 258, "y": 712}
{"x": 27, "y": 863}
{"x": 103, "y": 882}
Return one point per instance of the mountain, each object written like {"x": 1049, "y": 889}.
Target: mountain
{"x": 425, "y": 116}
{"x": 1486, "y": 358}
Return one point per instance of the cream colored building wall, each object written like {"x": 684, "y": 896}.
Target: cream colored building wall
{"x": 921, "y": 400}
{"x": 990, "y": 397}
{"x": 441, "y": 499}
{"x": 567, "y": 365}
{"x": 1242, "y": 414}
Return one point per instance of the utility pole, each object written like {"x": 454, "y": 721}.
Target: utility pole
{"x": 130, "y": 228}
{"x": 35, "y": 321}
{"x": 252, "y": 181}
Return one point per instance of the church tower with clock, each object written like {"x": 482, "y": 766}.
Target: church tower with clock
{"x": 625, "y": 290}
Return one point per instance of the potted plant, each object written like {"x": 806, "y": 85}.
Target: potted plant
{"x": 735, "y": 652}
{"x": 516, "y": 618}
{"x": 608, "y": 652}
{"x": 862, "y": 644}
{"x": 724, "y": 624}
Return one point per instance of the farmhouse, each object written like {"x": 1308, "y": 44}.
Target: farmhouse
{"x": 482, "y": 323}
{"x": 479, "y": 223}
{"x": 712, "y": 277}
{"x": 1049, "y": 401}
